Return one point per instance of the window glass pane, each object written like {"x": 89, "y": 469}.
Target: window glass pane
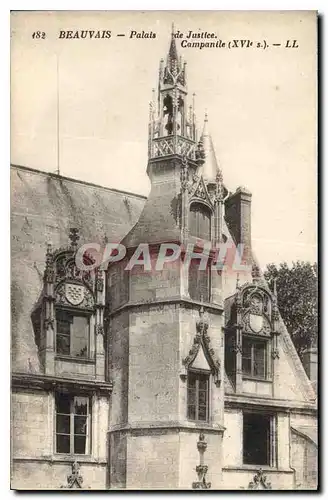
{"x": 202, "y": 383}
{"x": 202, "y": 398}
{"x": 259, "y": 360}
{"x": 80, "y": 445}
{"x": 191, "y": 396}
{"x": 62, "y": 444}
{"x": 63, "y": 344}
{"x": 80, "y": 336}
{"x": 63, "y": 404}
{"x": 63, "y": 424}
{"x": 202, "y": 413}
{"x": 192, "y": 412}
{"x": 63, "y": 327}
{"x": 247, "y": 366}
{"x": 191, "y": 380}
{"x": 247, "y": 356}
{"x": 80, "y": 425}
{"x": 247, "y": 348}
{"x": 80, "y": 405}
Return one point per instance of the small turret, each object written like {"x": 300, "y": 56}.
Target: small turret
{"x": 172, "y": 129}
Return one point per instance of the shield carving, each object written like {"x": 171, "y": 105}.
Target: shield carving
{"x": 256, "y": 322}
{"x": 74, "y": 293}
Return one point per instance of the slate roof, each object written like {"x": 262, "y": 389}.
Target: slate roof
{"x": 43, "y": 208}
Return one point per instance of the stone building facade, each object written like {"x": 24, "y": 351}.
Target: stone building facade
{"x": 148, "y": 377}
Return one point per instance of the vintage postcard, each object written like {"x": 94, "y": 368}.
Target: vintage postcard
{"x": 164, "y": 250}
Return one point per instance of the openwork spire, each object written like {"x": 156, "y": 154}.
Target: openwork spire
{"x": 172, "y": 129}
{"x": 173, "y": 53}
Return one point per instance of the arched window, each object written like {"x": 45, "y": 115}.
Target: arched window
{"x": 200, "y": 221}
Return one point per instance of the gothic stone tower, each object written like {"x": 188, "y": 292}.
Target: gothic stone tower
{"x": 165, "y": 322}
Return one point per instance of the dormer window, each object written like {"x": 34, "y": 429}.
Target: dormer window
{"x": 68, "y": 319}
{"x": 200, "y": 221}
{"x": 252, "y": 335}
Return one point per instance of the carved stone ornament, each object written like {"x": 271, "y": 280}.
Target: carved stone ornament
{"x": 200, "y": 191}
{"x": 237, "y": 348}
{"x": 49, "y": 322}
{"x": 259, "y": 482}
{"x": 100, "y": 330}
{"x": 255, "y": 273}
{"x": 275, "y": 354}
{"x": 74, "y": 479}
{"x": 74, "y": 237}
{"x": 49, "y": 273}
{"x": 99, "y": 281}
{"x": 184, "y": 176}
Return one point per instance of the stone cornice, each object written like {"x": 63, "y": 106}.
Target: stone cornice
{"x": 173, "y": 426}
{"x": 243, "y": 401}
{"x": 182, "y": 301}
{"x": 41, "y": 382}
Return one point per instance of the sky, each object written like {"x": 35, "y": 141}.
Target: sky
{"x": 261, "y": 105}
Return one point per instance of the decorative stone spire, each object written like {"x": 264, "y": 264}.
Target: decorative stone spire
{"x": 210, "y": 167}
{"x": 173, "y": 53}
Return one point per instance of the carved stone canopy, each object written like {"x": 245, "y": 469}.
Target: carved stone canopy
{"x": 202, "y": 341}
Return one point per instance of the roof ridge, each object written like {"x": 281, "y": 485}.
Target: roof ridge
{"x": 71, "y": 179}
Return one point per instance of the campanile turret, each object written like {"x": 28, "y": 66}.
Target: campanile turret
{"x": 165, "y": 316}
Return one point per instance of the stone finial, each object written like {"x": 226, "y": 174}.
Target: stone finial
{"x": 49, "y": 270}
{"x": 74, "y": 237}
{"x": 255, "y": 273}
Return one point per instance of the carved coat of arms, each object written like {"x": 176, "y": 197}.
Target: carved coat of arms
{"x": 255, "y": 317}
{"x": 74, "y": 293}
